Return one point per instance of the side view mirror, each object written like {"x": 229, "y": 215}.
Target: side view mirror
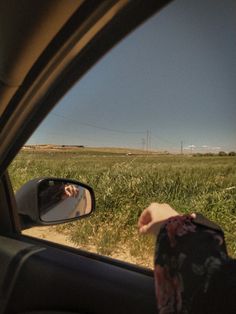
{"x": 49, "y": 201}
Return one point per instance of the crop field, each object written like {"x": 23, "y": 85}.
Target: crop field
{"x": 125, "y": 184}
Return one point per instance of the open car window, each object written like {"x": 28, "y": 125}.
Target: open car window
{"x": 154, "y": 120}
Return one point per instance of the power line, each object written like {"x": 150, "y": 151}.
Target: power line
{"x": 96, "y": 126}
{"x": 63, "y": 135}
{"x": 148, "y": 132}
{"x": 164, "y": 140}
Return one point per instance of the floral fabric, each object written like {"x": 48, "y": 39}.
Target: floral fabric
{"x": 189, "y": 251}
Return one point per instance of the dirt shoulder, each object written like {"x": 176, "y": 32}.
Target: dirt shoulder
{"x": 51, "y": 234}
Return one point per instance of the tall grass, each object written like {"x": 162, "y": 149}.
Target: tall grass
{"x": 125, "y": 185}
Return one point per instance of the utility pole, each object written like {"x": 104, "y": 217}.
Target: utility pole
{"x": 143, "y": 143}
{"x": 147, "y": 140}
{"x": 181, "y": 148}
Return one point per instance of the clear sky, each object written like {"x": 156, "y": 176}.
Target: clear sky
{"x": 174, "y": 76}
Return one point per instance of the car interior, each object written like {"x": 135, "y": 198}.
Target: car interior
{"x": 47, "y": 46}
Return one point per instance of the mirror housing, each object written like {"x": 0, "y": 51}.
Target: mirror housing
{"x": 50, "y": 201}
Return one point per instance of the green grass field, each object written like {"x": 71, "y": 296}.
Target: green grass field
{"x": 125, "y": 185}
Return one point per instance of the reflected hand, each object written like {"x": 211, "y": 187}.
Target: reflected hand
{"x": 71, "y": 191}
{"x": 153, "y": 217}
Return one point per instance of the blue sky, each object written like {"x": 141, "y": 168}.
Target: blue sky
{"x": 174, "y": 76}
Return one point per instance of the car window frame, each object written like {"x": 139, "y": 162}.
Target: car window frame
{"x": 64, "y": 79}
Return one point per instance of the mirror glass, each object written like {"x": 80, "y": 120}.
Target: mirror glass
{"x": 62, "y": 200}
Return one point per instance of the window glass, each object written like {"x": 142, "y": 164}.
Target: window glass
{"x": 154, "y": 120}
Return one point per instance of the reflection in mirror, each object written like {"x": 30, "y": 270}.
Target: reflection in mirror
{"x": 60, "y": 200}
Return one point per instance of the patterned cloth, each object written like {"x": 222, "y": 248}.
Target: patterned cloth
{"x": 189, "y": 253}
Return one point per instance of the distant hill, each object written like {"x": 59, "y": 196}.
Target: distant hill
{"x": 91, "y": 150}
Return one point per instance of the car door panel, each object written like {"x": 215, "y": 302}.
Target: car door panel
{"x": 60, "y": 280}
{"x": 64, "y": 280}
